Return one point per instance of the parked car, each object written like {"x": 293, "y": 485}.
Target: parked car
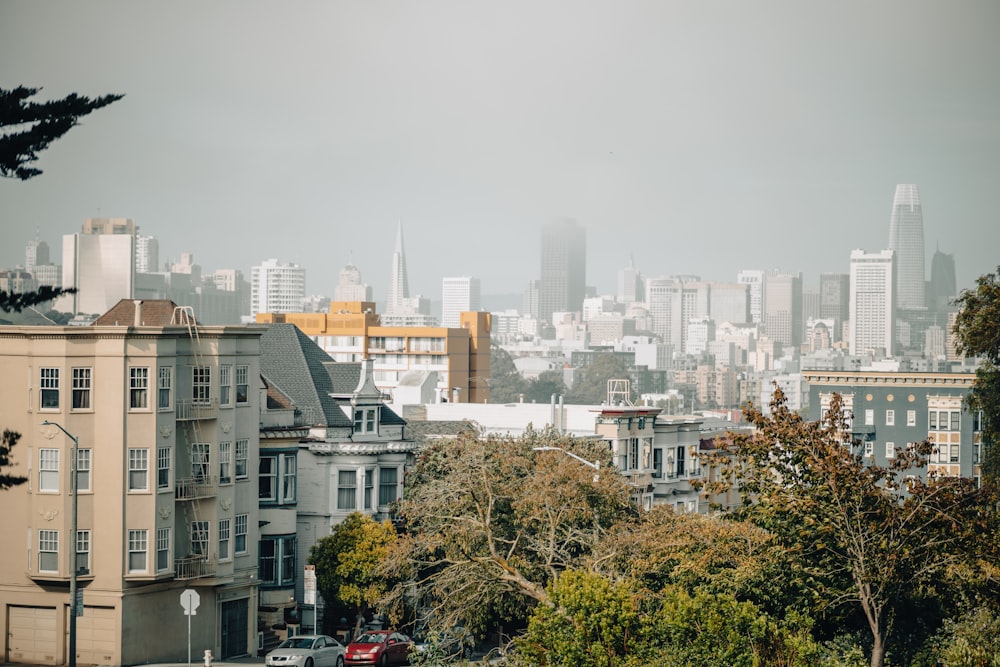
{"x": 379, "y": 647}
{"x": 307, "y": 651}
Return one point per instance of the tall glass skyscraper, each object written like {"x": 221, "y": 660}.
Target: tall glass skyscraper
{"x": 906, "y": 240}
{"x": 564, "y": 269}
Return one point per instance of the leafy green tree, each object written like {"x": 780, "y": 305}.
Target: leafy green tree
{"x": 348, "y": 562}
{"x": 506, "y": 383}
{"x": 547, "y": 384}
{"x": 970, "y": 640}
{"x": 977, "y": 332}
{"x": 867, "y": 534}
{"x": 590, "y": 387}
{"x": 27, "y": 128}
{"x": 7, "y": 443}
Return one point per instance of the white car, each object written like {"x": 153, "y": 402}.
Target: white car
{"x": 307, "y": 651}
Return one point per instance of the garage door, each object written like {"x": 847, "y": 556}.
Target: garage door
{"x": 32, "y": 635}
{"x": 96, "y": 636}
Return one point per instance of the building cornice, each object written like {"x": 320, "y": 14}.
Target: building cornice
{"x": 855, "y": 378}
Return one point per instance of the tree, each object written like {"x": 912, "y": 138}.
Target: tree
{"x": 7, "y": 443}
{"x": 507, "y": 385}
{"x": 489, "y": 522}
{"x": 590, "y": 387}
{"x": 868, "y": 535}
{"x": 27, "y": 128}
{"x": 545, "y": 386}
{"x": 348, "y": 562}
{"x": 977, "y": 334}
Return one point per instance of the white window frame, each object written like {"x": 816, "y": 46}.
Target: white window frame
{"x": 869, "y": 417}
{"x": 347, "y": 479}
{"x": 48, "y": 389}
{"x": 267, "y": 474}
{"x": 890, "y": 450}
{"x": 225, "y": 463}
{"x": 224, "y": 540}
{"x": 138, "y": 548}
{"x": 869, "y": 449}
{"x": 138, "y": 469}
{"x": 82, "y": 551}
{"x": 201, "y": 385}
{"x": 84, "y": 468}
{"x": 385, "y": 485}
{"x": 890, "y": 417}
{"x": 48, "y": 544}
{"x": 242, "y": 384}
{"x": 48, "y": 470}
{"x": 225, "y": 384}
{"x": 365, "y": 420}
{"x": 200, "y": 535}
{"x": 242, "y": 459}
{"x": 164, "y": 463}
{"x": 201, "y": 462}
{"x": 164, "y": 388}
{"x": 289, "y": 472}
{"x": 138, "y": 388}
{"x": 163, "y": 549}
{"x": 240, "y": 525}
{"x": 911, "y": 417}
{"x": 83, "y": 384}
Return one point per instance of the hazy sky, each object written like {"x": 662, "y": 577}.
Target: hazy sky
{"x": 701, "y": 137}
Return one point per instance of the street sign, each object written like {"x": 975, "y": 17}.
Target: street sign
{"x": 190, "y": 601}
{"x": 310, "y": 584}
{"x": 78, "y": 603}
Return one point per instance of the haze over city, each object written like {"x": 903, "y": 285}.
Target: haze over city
{"x": 700, "y": 138}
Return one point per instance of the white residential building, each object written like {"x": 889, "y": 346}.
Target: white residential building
{"x": 458, "y": 295}
{"x": 277, "y": 287}
{"x": 872, "y": 309}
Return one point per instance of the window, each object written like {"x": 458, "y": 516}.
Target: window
{"x": 164, "y": 383}
{"x": 241, "y": 534}
{"x": 633, "y": 453}
{"x": 83, "y": 468}
{"x": 83, "y": 552}
{"x": 199, "y": 538}
{"x": 869, "y": 449}
{"x": 48, "y": 470}
{"x": 162, "y": 549}
{"x": 138, "y": 467}
{"x": 890, "y": 450}
{"x": 388, "y": 485}
{"x": 932, "y": 420}
{"x": 277, "y": 560}
{"x": 680, "y": 461}
{"x": 137, "y": 544}
{"x": 225, "y": 384}
{"x": 288, "y": 476}
{"x": 81, "y": 388}
{"x": 911, "y": 417}
{"x": 163, "y": 456}
{"x": 347, "y": 486}
{"x": 225, "y": 462}
{"x": 890, "y": 417}
{"x": 201, "y": 385}
{"x": 369, "y": 485}
{"x": 364, "y": 420}
{"x": 48, "y": 551}
{"x": 267, "y": 479}
{"x": 49, "y": 386}
{"x": 138, "y": 388}
{"x": 869, "y": 417}
{"x": 242, "y": 447}
{"x": 657, "y": 463}
{"x": 242, "y": 385}
{"x": 200, "y": 462}
{"x": 954, "y": 424}
{"x": 224, "y": 539}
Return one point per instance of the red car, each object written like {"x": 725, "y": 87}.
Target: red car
{"x": 379, "y": 647}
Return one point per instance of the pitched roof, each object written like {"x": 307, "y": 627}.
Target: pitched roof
{"x": 152, "y": 313}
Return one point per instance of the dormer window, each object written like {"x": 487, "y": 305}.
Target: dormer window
{"x": 364, "y": 420}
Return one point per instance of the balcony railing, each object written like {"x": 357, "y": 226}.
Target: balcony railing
{"x": 187, "y": 410}
{"x": 193, "y": 567}
{"x": 195, "y": 487}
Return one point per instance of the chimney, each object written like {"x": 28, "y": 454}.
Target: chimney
{"x": 138, "y": 314}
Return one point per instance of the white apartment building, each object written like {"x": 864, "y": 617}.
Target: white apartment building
{"x": 276, "y": 287}
{"x": 872, "y": 309}
{"x": 458, "y": 295}
{"x": 147, "y": 254}
{"x": 100, "y": 263}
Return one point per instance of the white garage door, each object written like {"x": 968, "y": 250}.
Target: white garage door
{"x": 96, "y": 636}
{"x": 32, "y": 635}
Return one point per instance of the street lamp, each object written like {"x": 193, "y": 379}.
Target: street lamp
{"x": 596, "y": 465}
{"x": 72, "y": 543}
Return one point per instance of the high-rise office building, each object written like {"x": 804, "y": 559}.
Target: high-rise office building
{"x": 835, "y": 300}
{"x": 872, "y": 306}
{"x": 564, "y": 269}
{"x": 630, "y": 284}
{"x": 783, "y": 308}
{"x": 754, "y": 280}
{"x": 673, "y": 301}
{"x": 350, "y": 287}
{"x": 729, "y": 302}
{"x": 458, "y": 295}
{"x": 147, "y": 254}
{"x": 943, "y": 286}
{"x": 399, "y": 287}
{"x": 100, "y": 263}
{"x": 276, "y": 287}
{"x": 906, "y": 240}
{"x": 35, "y": 253}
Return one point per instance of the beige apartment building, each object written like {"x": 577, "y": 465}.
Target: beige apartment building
{"x": 166, "y": 416}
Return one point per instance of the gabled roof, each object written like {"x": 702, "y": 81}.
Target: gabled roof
{"x": 152, "y": 313}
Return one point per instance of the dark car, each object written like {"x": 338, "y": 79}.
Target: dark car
{"x": 379, "y": 647}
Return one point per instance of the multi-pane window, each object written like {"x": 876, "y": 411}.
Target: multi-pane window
{"x": 49, "y": 388}
{"x": 890, "y": 417}
{"x": 137, "y": 545}
{"x": 48, "y": 469}
{"x": 82, "y": 551}
{"x": 201, "y": 385}
{"x": 267, "y": 478}
{"x": 200, "y": 461}
{"x": 242, "y": 451}
{"x": 163, "y": 459}
{"x": 347, "y": 488}
{"x": 138, "y": 388}
{"x": 945, "y": 453}
{"x": 225, "y": 384}
{"x": 224, "y": 538}
{"x": 48, "y": 551}
{"x": 199, "y": 538}
{"x": 164, "y": 385}
{"x": 388, "y": 479}
{"x": 277, "y": 560}
{"x": 911, "y": 417}
{"x": 162, "y": 549}
{"x": 242, "y": 385}
{"x": 225, "y": 462}
{"x": 81, "y": 388}
{"x": 138, "y": 469}
{"x": 83, "y": 468}
{"x": 276, "y": 478}
{"x": 369, "y": 484}
{"x": 869, "y": 448}
{"x": 869, "y": 417}
{"x": 288, "y": 476}
{"x": 240, "y": 534}
{"x": 890, "y": 450}
{"x": 657, "y": 463}
{"x": 364, "y": 420}
{"x": 681, "y": 451}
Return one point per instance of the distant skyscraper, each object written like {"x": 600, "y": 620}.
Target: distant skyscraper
{"x": 872, "y": 309}
{"x": 943, "y": 286}
{"x": 906, "y": 240}
{"x": 564, "y": 269}
{"x": 673, "y": 301}
{"x": 458, "y": 295}
{"x": 349, "y": 286}
{"x": 100, "y": 263}
{"x": 276, "y": 287}
{"x": 399, "y": 287}
{"x": 147, "y": 254}
{"x": 783, "y": 308}
{"x": 835, "y": 300}
{"x": 729, "y": 302}
{"x": 35, "y": 253}
{"x": 754, "y": 280}
{"x": 630, "y": 284}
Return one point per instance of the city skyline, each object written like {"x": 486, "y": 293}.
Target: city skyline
{"x": 699, "y": 139}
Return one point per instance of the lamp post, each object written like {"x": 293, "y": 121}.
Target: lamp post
{"x": 72, "y": 543}
{"x": 596, "y": 465}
